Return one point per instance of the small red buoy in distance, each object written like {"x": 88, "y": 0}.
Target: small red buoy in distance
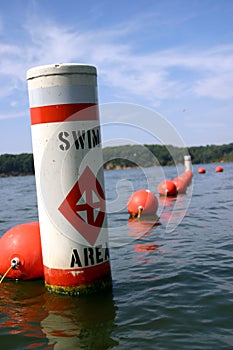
{"x": 21, "y": 249}
{"x": 167, "y": 188}
{"x": 142, "y": 202}
{"x": 219, "y": 169}
{"x": 201, "y": 170}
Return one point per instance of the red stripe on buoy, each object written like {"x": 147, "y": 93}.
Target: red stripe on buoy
{"x": 74, "y": 277}
{"x": 62, "y": 112}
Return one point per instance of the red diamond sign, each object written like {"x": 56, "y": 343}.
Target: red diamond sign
{"x": 84, "y": 206}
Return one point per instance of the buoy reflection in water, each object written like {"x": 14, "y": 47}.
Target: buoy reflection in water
{"x": 51, "y": 321}
{"x": 80, "y": 323}
{"x": 173, "y": 210}
{"x": 143, "y": 226}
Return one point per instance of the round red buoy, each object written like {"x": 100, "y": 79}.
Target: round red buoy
{"x": 142, "y": 201}
{"x": 167, "y": 188}
{"x": 189, "y": 173}
{"x": 219, "y": 169}
{"x": 21, "y": 248}
{"x": 181, "y": 184}
{"x": 201, "y": 170}
{"x": 187, "y": 176}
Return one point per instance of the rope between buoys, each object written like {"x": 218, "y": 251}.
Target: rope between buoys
{"x": 6, "y": 273}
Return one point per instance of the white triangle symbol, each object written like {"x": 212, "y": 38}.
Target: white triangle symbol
{"x": 82, "y": 200}
{"x": 96, "y": 213}
{"x": 83, "y": 214}
{"x": 95, "y": 198}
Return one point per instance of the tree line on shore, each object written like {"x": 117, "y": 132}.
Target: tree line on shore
{"x": 120, "y": 157}
{"x": 151, "y": 155}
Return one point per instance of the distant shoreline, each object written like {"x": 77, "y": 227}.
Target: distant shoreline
{"x": 15, "y": 175}
{"x": 129, "y": 156}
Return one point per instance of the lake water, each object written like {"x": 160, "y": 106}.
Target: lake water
{"x": 172, "y": 283}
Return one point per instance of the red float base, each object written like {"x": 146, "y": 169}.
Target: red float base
{"x": 78, "y": 281}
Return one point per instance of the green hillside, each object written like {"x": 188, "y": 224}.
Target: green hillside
{"x": 128, "y": 156}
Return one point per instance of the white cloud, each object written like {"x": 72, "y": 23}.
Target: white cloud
{"x": 12, "y": 115}
{"x": 218, "y": 86}
{"x": 150, "y": 76}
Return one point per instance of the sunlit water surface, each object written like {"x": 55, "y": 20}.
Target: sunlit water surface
{"x": 172, "y": 285}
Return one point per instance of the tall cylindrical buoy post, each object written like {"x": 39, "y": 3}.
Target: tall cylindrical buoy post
{"x": 69, "y": 177}
{"x": 187, "y": 163}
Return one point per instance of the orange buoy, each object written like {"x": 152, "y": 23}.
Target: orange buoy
{"x": 183, "y": 181}
{"x": 20, "y": 249}
{"x": 219, "y": 169}
{"x": 188, "y": 175}
{"x": 167, "y": 188}
{"x": 181, "y": 184}
{"x": 142, "y": 201}
{"x": 201, "y": 170}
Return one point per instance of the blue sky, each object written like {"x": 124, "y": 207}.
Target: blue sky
{"x": 174, "y": 57}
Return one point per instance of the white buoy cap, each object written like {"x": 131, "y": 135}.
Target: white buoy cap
{"x": 60, "y": 69}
